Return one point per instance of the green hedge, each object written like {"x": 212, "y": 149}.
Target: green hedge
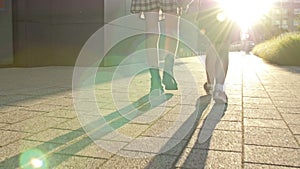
{"x": 283, "y": 49}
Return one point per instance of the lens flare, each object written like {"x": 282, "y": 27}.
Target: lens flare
{"x": 245, "y": 12}
{"x": 36, "y": 163}
{"x": 32, "y": 159}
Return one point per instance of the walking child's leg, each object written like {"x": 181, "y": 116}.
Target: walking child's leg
{"x": 171, "y": 46}
{"x": 152, "y": 39}
{"x": 221, "y": 72}
{"x": 210, "y": 65}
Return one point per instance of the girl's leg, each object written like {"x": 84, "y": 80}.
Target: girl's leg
{"x": 221, "y": 72}
{"x": 222, "y": 63}
{"x": 210, "y": 65}
{"x": 172, "y": 28}
{"x": 152, "y": 34}
{"x": 152, "y": 37}
{"x": 171, "y": 45}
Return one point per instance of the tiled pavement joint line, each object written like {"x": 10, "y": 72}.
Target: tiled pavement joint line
{"x": 198, "y": 124}
{"x": 76, "y": 155}
{"x": 30, "y": 134}
{"x": 276, "y": 107}
{"x": 272, "y": 146}
{"x": 243, "y": 122}
{"x": 228, "y": 151}
{"x": 277, "y": 165}
{"x": 74, "y": 141}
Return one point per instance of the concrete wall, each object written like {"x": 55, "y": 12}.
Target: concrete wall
{"x": 6, "y": 44}
{"x": 52, "y": 32}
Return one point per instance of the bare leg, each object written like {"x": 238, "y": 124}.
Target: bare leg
{"x": 152, "y": 31}
{"x": 172, "y": 28}
{"x": 152, "y": 39}
{"x": 210, "y": 65}
{"x": 222, "y": 63}
{"x": 221, "y": 72}
{"x": 171, "y": 45}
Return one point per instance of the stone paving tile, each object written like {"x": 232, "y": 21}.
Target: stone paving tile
{"x": 17, "y": 116}
{"x": 11, "y": 136}
{"x": 35, "y": 124}
{"x": 173, "y": 117}
{"x": 110, "y": 146}
{"x": 232, "y": 117}
{"x": 255, "y": 94}
{"x": 262, "y": 166}
{"x": 153, "y": 145}
{"x": 228, "y": 125}
{"x": 5, "y": 108}
{"x": 285, "y": 98}
{"x": 295, "y": 129}
{"x": 289, "y": 110}
{"x": 292, "y": 118}
{"x": 132, "y": 130}
{"x": 62, "y": 113}
{"x": 262, "y": 113}
{"x": 221, "y": 140}
{"x": 197, "y": 158}
{"x": 280, "y": 156}
{"x": 61, "y": 161}
{"x": 234, "y": 101}
{"x": 177, "y": 150}
{"x": 258, "y": 106}
{"x": 3, "y": 124}
{"x": 72, "y": 124}
{"x": 288, "y": 104}
{"x": 7, "y": 153}
{"x": 59, "y": 101}
{"x": 84, "y": 146}
{"x": 257, "y": 100}
{"x": 277, "y": 93}
{"x": 43, "y": 107}
{"x": 95, "y": 151}
{"x": 56, "y": 136}
{"x": 158, "y": 128}
{"x": 298, "y": 138}
{"x": 158, "y": 161}
{"x": 264, "y": 123}
{"x": 269, "y": 137}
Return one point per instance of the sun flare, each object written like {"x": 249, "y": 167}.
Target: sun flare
{"x": 245, "y": 12}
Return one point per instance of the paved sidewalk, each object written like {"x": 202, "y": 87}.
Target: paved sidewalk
{"x": 39, "y": 126}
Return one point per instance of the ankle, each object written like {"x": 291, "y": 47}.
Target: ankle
{"x": 219, "y": 87}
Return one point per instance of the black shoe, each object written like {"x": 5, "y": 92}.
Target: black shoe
{"x": 169, "y": 82}
{"x": 156, "y": 87}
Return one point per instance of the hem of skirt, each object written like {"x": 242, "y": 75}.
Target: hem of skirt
{"x": 151, "y": 10}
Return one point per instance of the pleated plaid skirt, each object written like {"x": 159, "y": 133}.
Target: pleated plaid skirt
{"x": 166, "y": 6}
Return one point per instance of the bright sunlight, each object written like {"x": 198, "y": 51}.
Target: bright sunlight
{"x": 246, "y": 12}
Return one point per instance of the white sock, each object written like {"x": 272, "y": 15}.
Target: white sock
{"x": 219, "y": 87}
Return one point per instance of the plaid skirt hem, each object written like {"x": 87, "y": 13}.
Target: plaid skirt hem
{"x": 138, "y": 6}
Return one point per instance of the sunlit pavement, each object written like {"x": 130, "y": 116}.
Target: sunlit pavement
{"x": 40, "y": 128}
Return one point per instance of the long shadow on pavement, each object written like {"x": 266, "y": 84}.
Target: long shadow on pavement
{"x": 159, "y": 160}
{"x": 76, "y": 140}
{"x": 199, "y": 151}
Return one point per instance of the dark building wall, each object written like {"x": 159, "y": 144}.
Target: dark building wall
{"x": 52, "y": 32}
{"x": 6, "y": 43}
